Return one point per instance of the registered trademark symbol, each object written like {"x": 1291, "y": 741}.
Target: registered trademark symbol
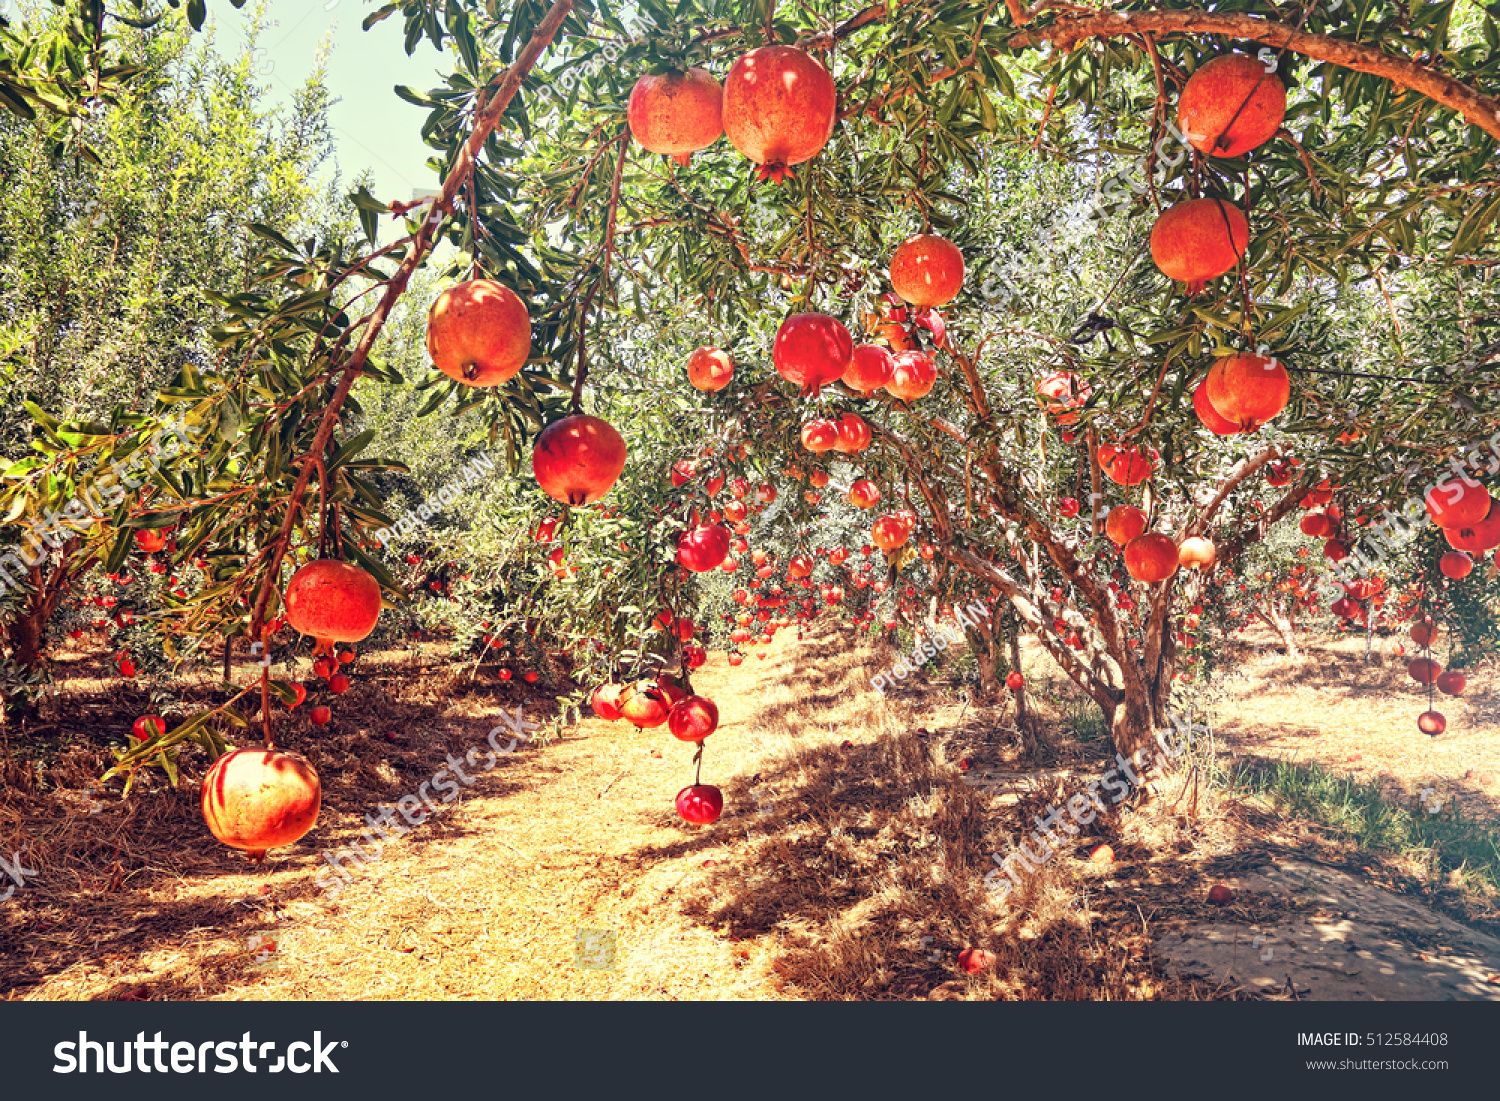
{"x": 343, "y": 1043}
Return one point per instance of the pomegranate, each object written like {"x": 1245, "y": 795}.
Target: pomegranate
{"x": 864, "y": 494}
{"x": 1210, "y": 417}
{"x": 1424, "y": 670}
{"x": 578, "y": 459}
{"x": 150, "y": 541}
{"x": 703, "y": 548}
{"x": 1124, "y": 524}
{"x": 974, "y": 960}
{"x": 812, "y": 349}
{"x": 693, "y": 719}
{"x": 1452, "y": 683}
{"x": 1066, "y": 392}
{"x": 927, "y": 270}
{"x": 799, "y": 565}
{"x": 682, "y": 473}
{"x": 1477, "y": 538}
{"x": 1248, "y": 390}
{"x": 1424, "y": 634}
{"x": 645, "y": 706}
{"x": 890, "y": 533}
{"x": 1456, "y": 565}
{"x": 1335, "y": 550}
{"x": 1129, "y": 467}
{"x": 479, "y": 333}
{"x": 1220, "y": 894}
{"x": 1196, "y": 553}
{"x": 779, "y": 108}
{"x": 321, "y": 715}
{"x": 869, "y": 368}
{"x": 1068, "y": 506}
{"x": 818, "y": 478}
{"x": 710, "y": 369}
{"x": 1230, "y": 106}
{"x": 1199, "y": 240}
{"x": 1432, "y": 723}
{"x": 854, "y": 434}
{"x": 1014, "y": 681}
{"x": 676, "y": 113}
{"x": 701, "y": 804}
{"x": 606, "y": 701}
{"x": 1316, "y": 525}
{"x": 147, "y": 727}
{"x": 333, "y": 600}
{"x": 913, "y": 375}
{"x": 1151, "y": 558}
{"x": 259, "y": 799}
{"x": 820, "y": 435}
{"x": 1456, "y": 503}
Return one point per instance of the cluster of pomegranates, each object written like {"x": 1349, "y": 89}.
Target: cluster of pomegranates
{"x": 651, "y": 703}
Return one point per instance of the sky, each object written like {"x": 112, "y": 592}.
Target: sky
{"x": 374, "y": 128}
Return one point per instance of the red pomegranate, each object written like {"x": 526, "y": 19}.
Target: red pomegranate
{"x": 701, "y": 804}
{"x": 703, "y": 548}
{"x": 1452, "y": 683}
{"x": 676, "y": 113}
{"x": 1335, "y": 550}
{"x": 1281, "y": 474}
{"x": 1424, "y": 634}
{"x": 606, "y": 701}
{"x": 1196, "y": 553}
{"x": 820, "y": 435}
{"x": 974, "y": 960}
{"x": 1432, "y": 723}
{"x": 1014, "y": 681}
{"x": 1456, "y": 565}
{"x": 1316, "y": 525}
{"x": 1457, "y": 503}
{"x": 864, "y": 494}
{"x": 1066, "y": 392}
{"x": 1129, "y": 466}
{"x": 693, "y": 719}
{"x": 913, "y": 375}
{"x": 333, "y": 600}
{"x": 479, "y": 333}
{"x": 1345, "y": 608}
{"x": 927, "y": 270}
{"x": 682, "y": 472}
{"x": 1248, "y": 390}
{"x": 1151, "y": 558}
{"x": 818, "y": 478}
{"x": 1199, "y": 240}
{"x": 811, "y": 350}
{"x": 779, "y": 108}
{"x": 1124, "y": 524}
{"x": 1477, "y": 538}
{"x": 869, "y": 368}
{"x": 259, "y": 799}
{"x": 1231, "y": 105}
{"x": 799, "y": 565}
{"x": 1210, "y": 417}
{"x": 645, "y": 706}
{"x": 854, "y": 434}
{"x": 710, "y": 370}
{"x": 890, "y": 533}
{"x": 150, "y": 541}
{"x": 578, "y": 459}
{"x": 1424, "y": 670}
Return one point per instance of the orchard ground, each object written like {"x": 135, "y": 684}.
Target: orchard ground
{"x": 849, "y": 862}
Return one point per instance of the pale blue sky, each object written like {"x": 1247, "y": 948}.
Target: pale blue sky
{"x": 373, "y": 127}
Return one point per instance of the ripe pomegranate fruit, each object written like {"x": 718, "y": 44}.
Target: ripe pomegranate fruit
{"x": 1424, "y": 634}
{"x": 811, "y": 350}
{"x": 818, "y": 478}
{"x": 799, "y": 565}
{"x": 890, "y": 533}
{"x": 1196, "y": 553}
{"x": 710, "y": 370}
{"x": 1124, "y": 524}
{"x": 1424, "y": 670}
{"x": 676, "y": 113}
{"x": 1065, "y": 392}
{"x": 646, "y": 705}
{"x": 913, "y": 375}
{"x": 820, "y": 435}
{"x": 1130, "y": 466}
{"x": 974, "y": 960}
{"x": 1452, "y": 683}
{"x": 869, "y": 368}
{"x": 927, "y": 270}
{"x": 693, "y": 719}
{"x": 259, "y": 799}
{"x": 1210, "y": 417}
{"x": 1456, "y": 565}
{"x": 854, "y": 434}
{"x": 1316, "y": 525}
{"x": 703, "y": 548}
{"x": 150, "y": 541}
{"x": 682, "y": 473}
{"x": 1151, "y": 557}
{"x": 147, "y": 727}
{"x": 1014, "y": 681}
{"x": 1432, "y": 723}
{"x": 321, "y": 715}
{"x": 606, "y": 701}
{"x": 864, "y": 494}
{"x": 1335, "y": 550}
{"x": 701, "y": 804}
{"x": 338, "y": 684}
{"x": 1230, "y": 106}
{"x": 577, "y": 459}
{"x": 479, "y": 333}
{"x": 333, "y": 600}
{"x": 1220, "y": 895}
{"x": 1199, "y": 240}
{"x": 779, "y": 108}
{"x": 1247, "y": 390}
{"x": 1458, "y": 504}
